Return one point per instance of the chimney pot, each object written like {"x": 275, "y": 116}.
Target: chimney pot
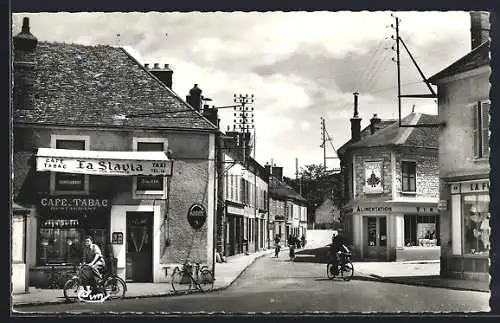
{"x": 157, "y": 65}
{"x": 146, "y": 66}
{"x": 355, "y": 121}
{"x": 166, "y": 66}
{"x": 373, "y": 123}
{"x": 480, "y": 27}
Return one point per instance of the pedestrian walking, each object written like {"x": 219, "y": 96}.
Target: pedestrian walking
{"x": 291, "y": 245}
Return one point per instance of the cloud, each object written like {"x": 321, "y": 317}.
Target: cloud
{"x": 299, "y": 65}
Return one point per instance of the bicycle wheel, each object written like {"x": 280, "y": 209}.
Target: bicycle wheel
{"x": 330, "y": 271}
{"x": 181, "y": 282}
{"x": 70, "y": 289}
{"x": 206, "y": 280}
{"x": 115, "y": 287}
{"x": 347, "y": 271}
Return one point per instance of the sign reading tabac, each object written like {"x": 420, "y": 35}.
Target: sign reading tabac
{"x": 373, "y": 177}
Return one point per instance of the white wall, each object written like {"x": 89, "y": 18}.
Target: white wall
{"x": 318, "y": 238}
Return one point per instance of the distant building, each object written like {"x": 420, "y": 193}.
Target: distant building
{"x": 463, "y": 104}
{"x": 327, "y": 215}
{"x": 391, "y": 188}
{"x": 287, "y": 208}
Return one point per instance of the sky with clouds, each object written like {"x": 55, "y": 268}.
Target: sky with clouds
{"x": 300, "y": 66}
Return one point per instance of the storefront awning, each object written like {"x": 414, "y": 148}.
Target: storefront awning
{"x": 111, "y": 163}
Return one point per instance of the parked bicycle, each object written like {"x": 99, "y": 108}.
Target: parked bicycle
{"x": 192, "y": 276}
{"x": 345, "y": 267}
{"x": 110, "y": 285}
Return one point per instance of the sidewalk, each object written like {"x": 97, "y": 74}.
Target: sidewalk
{"x": 225, "y": 274}
{"x": 418, "y": 273}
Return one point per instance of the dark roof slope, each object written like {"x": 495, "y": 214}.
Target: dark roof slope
{"x": 279, "y": 189}
{"x": 79, "y": 85}
{"x": 476, "y": 58}
{"x": 365, "y": 133}
{"x": 404, "y": 136}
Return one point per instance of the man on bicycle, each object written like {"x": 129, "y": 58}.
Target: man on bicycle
{"x": 336, "y": 246}
{"x": 277, "y": 246}
{"x": 93, "y": 257}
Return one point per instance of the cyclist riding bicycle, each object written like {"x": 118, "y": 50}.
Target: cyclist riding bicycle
{"x": 277, "y": 246}
{"x": 337, "y": 246}
{"x": 93, "y": 257}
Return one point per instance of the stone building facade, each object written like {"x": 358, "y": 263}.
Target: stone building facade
{"x": 97, "y": 152}
{"x": 391, "y": 187}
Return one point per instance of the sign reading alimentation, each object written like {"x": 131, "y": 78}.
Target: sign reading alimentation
{"x": 73, "y": 203}
{"x": 197, "y": 216}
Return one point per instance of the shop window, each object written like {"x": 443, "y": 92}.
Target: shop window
{"x": 68, "y": 182}
{"x": 421, "y": 230}
{"x": 408, "y": 175}
{"x": 61, "y": 238}
{"x": 480, "y": 131}
{"x": 150, "y": 182}
{"x": 476, "y": 226}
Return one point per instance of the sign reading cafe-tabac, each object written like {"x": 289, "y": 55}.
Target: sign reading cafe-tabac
{"x": 73, "y": 203}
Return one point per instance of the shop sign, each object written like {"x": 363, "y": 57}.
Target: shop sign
{"x": 73, "y": 203}
{"x": 235, "y": 210}
{"x": 373, "y": 178}
{"x": 426, "y": 209}
{"x": 374, "y": 209}
{"x": 443, "y": 205}
{"x": 197, "y": 216}
{"x": 108, "y": 167}
{"x": 476, "y": 186}
{"x": 117, "y": 238}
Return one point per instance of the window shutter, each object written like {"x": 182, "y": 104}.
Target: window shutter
{"x": 475, "y": 130}
{"x": 485, "y": 122}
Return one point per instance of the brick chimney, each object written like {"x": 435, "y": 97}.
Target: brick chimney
{"x": 212, "y": 114}
{"x": 24, "y": 67}
{"x": 267, "y": 169}
{"x": 277, "y": 172}
{"x": 479, "y": 27}
{"x": 355, "y": 121}
{"x": 163, "y": 74}
{"x": 194, "y": 97}
{"x": 373, "y": 123}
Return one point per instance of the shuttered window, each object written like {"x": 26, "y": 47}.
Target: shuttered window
{"x": 480, "y": 131}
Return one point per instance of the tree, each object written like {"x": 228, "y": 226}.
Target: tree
{"x": 316, "y": 184}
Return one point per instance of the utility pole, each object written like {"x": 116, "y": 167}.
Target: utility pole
{"x": 398, "y": 66}
{"x": 243, "y": 118}
{"x": 323, "y": 140}
{"x": 299, "y": 181}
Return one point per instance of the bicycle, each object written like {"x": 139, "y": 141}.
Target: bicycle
{"x": 114, "y": 287}
{"x": 185, "y": 278}
{"x": 345, "y": 267}
{"x": 58, "y": 277}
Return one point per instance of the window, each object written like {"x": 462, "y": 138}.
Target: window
{"x": 408, "y": 175}
{"x": 150, "y": 182}
{"x": 476, "y": 225}
{"x": 480, "y": 131}
{"x": 144, "y": 185}
{"x": 68, "y": 182}
{"x": 421, "y": 230}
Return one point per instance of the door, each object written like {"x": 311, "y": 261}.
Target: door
{"x": 139, "y": 246}
{"x": 376, "y": 237}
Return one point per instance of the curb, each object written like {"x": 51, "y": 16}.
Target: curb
{"x": 423, "y": 284}
{"x": 63, "y": 301}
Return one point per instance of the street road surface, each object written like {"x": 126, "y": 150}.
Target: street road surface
{"x": 279, "y": 286}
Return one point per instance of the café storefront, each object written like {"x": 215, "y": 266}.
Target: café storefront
{"x": 124, "y": 233}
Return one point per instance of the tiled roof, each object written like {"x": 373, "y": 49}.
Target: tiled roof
{"x": 365, "y": 133}
{"x": 404, "y": 136}
{"x": 79, "y": 85}
{"x": 476, "y": 58}
{"x": 279, "y": 189}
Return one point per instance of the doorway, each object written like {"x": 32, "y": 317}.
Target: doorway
{"x": 139, "y": 247}
{"x": 376, "y": 237}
